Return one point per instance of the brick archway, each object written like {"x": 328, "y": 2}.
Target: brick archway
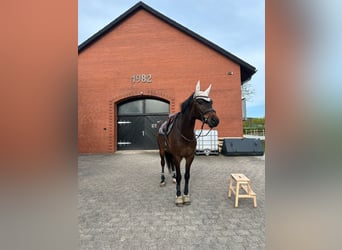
{"x": 165, "y": 95}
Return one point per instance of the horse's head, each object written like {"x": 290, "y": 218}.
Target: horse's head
{"x": 203, "y": 106}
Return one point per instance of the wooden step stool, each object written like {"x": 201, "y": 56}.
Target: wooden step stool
{"x": 241, "y": 182}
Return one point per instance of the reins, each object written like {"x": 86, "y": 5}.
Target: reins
{"x": 199, "y": 135}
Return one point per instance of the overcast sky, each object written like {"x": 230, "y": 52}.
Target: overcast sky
{"x": 236, "y": 26}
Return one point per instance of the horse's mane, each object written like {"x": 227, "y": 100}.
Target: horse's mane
{"x": 186, "y": 103}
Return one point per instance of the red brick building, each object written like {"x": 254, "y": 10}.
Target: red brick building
{"x": 141, "y": 67}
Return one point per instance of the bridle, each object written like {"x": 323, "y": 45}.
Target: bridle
{"x": 202, "y": 114}
{"x": 203, "y": 118}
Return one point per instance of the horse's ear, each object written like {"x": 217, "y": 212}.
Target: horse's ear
{"x": 207, "y": 91}
{"x": 198, "y": 87}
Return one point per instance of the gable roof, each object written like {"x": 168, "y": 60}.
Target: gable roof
{"x": 246, "y": 69}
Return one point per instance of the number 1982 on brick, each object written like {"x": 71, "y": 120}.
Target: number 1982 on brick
{"x": 142, "y": 78}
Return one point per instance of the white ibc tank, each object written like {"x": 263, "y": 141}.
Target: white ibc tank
{"x": 207, "y": 142}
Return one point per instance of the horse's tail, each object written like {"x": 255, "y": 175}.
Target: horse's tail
{"x": 169, "y": 162}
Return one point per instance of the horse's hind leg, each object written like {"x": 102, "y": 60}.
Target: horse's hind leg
{"x": 162, "y": 163}
{"x": 171, "y": 166}
{"x": 174, "y": 180}
{"x": 161, "y": 145}
{"x": 186, "y": 197}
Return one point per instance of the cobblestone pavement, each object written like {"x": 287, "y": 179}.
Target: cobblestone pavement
{"x": 122, "y": 206}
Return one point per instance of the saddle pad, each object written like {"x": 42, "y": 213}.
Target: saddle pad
{"x": 167, "y": 125}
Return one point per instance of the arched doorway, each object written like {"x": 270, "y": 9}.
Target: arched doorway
{"x": 138, "y": 121}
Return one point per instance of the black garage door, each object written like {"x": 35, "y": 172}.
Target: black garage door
{"x": 138, "y": 121}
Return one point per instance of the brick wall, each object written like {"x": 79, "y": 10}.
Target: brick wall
{"x": 143, "y": 44}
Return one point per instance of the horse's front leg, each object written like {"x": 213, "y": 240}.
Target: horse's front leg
{"x": 179, "y": 197}
{"x": 186, "y": 197}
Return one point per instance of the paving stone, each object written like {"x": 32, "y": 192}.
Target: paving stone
{"x": 122, "y": 206}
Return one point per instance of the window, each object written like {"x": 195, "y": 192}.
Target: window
{"x": 155, "y": 106}
{"x": 132, "y": 108}
{"x": 144, "y": 106}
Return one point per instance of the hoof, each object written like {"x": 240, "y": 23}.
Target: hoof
{"x": 186, "y": 199}
{"x": 179, "y": 201}
{"x": 162, "y": 184}
{"x": 174, "y": 180}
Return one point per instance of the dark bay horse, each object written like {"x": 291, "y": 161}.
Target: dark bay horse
{"x": 178, "y": 141}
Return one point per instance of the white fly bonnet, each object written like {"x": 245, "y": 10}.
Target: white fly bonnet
{"x": 202, "y": 94}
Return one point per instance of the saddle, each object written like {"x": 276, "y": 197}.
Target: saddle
{"x": 167, "y": 125}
